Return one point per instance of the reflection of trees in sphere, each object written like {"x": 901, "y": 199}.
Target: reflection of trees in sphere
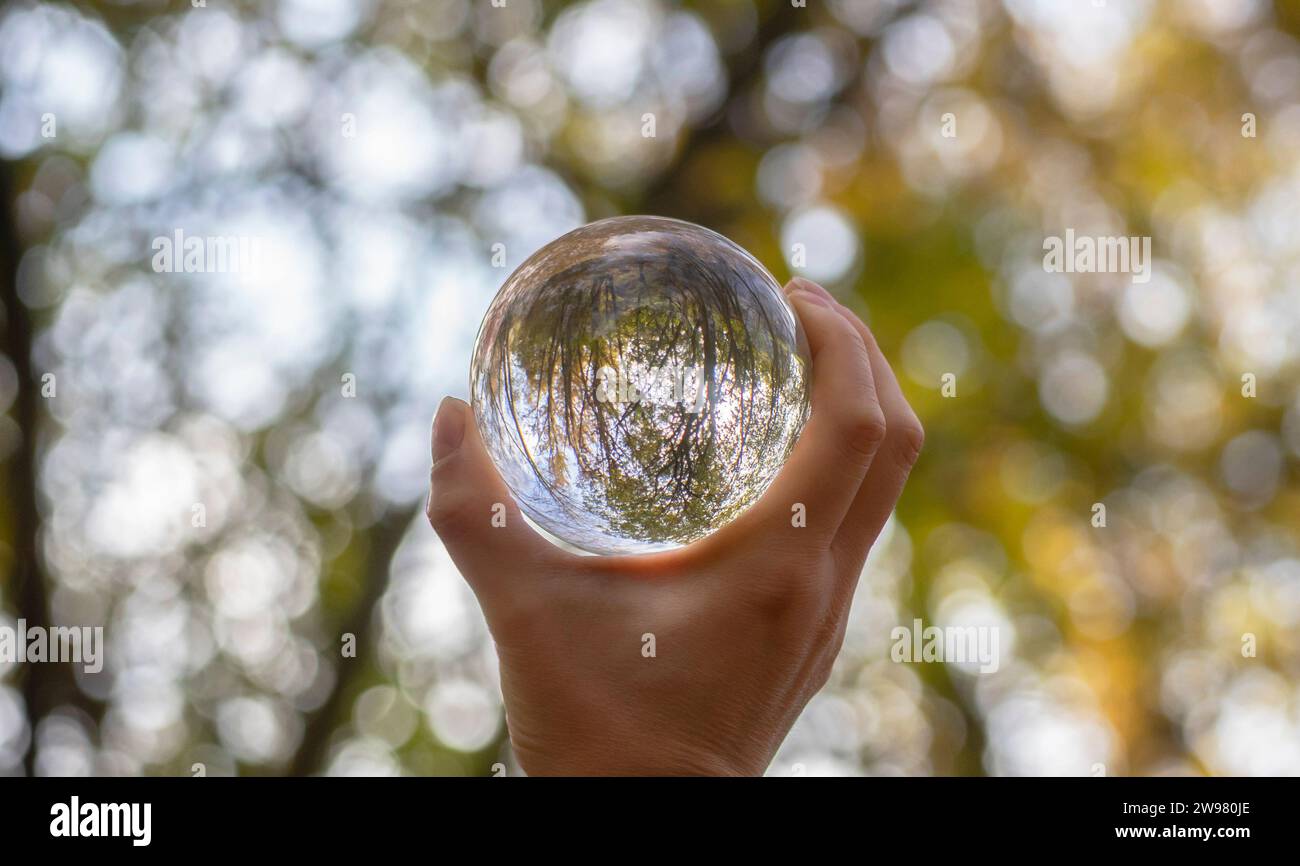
{"x": 639, "y": 382}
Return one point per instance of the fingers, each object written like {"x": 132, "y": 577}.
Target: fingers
{"x": 840, "y": 439}
{"x": 904, "y": 438}
{"x": 473, "y": 513}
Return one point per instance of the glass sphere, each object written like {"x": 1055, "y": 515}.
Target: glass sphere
{"x": 638, "y": 383}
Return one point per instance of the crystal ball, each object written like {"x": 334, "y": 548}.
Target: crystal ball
{"x": 638, "y": 383}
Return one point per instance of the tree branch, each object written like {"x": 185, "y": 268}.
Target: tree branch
{"x": 382, "y": 542}
{"x": 46, "y": 685}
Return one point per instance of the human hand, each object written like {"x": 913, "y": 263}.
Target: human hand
{"x": 746, "y": 622}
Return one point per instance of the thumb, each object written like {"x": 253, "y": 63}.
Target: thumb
{"x": 472, "y": 511}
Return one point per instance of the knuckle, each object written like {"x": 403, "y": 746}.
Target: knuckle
{"x": 817, "y": 621}
{"x": 446, "y": 511}
{"x": 910, "y": 438}
{"x": 822, "y": 672}
{"x": 447, "y": 504}
{"x": 442, "y": 513}
{"x": 829, "y": 626}
{"x": 864, "y": 431}
{"x": 823, "y": 665}
{"x": 830, "y": 642}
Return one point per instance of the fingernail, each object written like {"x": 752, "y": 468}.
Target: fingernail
{"x": 448, "y": 427}
{"x": 799, "y": 284}
{"x": 801, "y": 294}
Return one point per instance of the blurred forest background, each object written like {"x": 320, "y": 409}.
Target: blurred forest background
{"x": 227, "y": 471}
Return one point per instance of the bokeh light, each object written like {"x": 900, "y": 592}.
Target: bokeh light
{"x": 228, "y": 471}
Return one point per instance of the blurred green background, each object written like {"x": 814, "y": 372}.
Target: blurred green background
{"x": 226, "y": 470}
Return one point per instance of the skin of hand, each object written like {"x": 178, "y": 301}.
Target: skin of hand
{"x": 746, "y": 622}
